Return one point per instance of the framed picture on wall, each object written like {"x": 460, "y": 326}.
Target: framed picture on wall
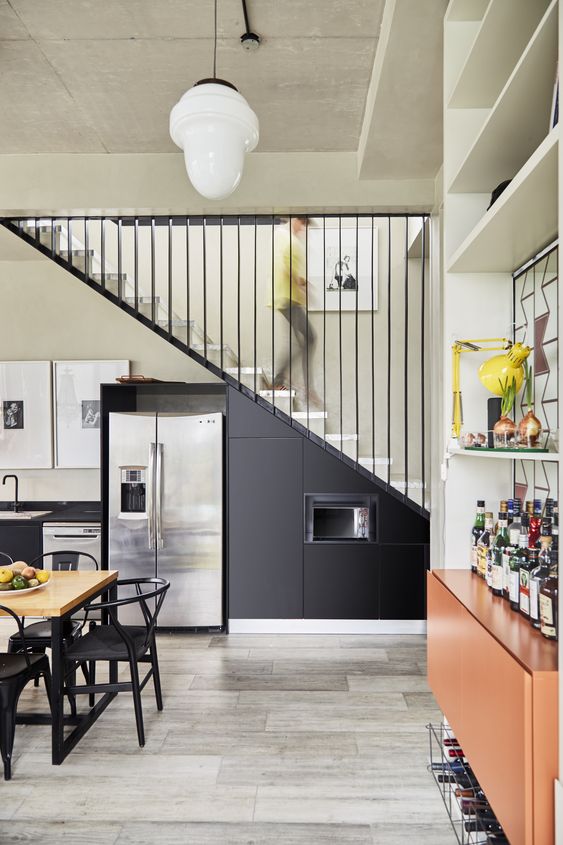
{"x": 26, "y": 420}
{"x": 76, "y": 392}
{"x": 342, "y": 265}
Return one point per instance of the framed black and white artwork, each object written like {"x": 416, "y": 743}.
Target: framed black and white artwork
{"x": 26, "y": 421}
{"x": 342, "y": 265}
{"x": 76, "y": 391}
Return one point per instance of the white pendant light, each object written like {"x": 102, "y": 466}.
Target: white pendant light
{"x": 215, "y": 127}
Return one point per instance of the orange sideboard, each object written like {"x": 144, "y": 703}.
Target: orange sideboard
{"x": 495, "y": 680}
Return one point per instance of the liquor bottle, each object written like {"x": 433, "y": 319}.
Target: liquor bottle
{"x": 476, "y": 531}
{"x": 548, "y": 603}
{"x": 518, "y": 557}
{"x": 537, "y": 577}
{"x": 555, "y": 530}
{"x": 537, "y": 507}
{"x": 500, "y": 543}
{"x": 503, "y": 508}
{"x": 525, "y": 570}
{"x": 529, "y": 507}
{"x": 548, "y": 509}
{"x": 483, "y": 545}
{"x": 513, "y": 537}
{"x": 535, "y": 528}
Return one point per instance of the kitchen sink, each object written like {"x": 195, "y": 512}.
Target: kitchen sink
{"x": 22, "y": 514}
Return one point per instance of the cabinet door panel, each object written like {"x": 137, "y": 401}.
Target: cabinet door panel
{"x": 444, "y": 650}
{"x": 403, "y": 576}
{"x": 21, "y": 542}
{"x": 265, "y": 528}
{"x": 341, "y": 581}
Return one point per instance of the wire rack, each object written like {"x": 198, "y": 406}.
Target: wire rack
{"x": 470, "y": 814}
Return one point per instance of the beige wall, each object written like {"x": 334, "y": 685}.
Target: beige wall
{"x": 47, "y": 314}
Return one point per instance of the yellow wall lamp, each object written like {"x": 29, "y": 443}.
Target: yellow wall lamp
{"x": 493, "y": 374}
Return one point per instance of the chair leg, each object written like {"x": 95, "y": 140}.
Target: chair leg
{"x": 47, "y": 680}
{"x": 156, "y": 676}
{"x": 91, "y": 671}
{"x": 7, "y": 732}
{"x": 135, "y": 689}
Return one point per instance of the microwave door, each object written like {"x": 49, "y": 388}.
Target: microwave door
{"x": 131, "y": 518}
{"x": 189, "y": 519}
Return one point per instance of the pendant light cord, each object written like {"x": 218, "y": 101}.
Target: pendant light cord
{"x": 215, "y": 44}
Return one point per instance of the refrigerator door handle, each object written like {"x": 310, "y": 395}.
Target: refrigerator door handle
{"x": 158, "y": 501}
{"x": 150, "y": 495}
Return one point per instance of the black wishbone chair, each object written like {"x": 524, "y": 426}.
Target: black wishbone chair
{"x": 115, "y": 642}
{"x": 5, "y": 560}
{"x": 38, "y": 634}
{"x": 16, "y": 670}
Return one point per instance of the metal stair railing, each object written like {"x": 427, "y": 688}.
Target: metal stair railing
{"x": 208, "y": 286}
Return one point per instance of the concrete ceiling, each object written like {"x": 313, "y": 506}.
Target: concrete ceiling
{"x": 100, "y": 76}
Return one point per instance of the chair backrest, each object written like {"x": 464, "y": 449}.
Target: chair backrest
{"x": 21, "y": 631}
{"x": 145, "y": 589}
{"x": 5, "y": 559}
{"x": 64, "y": 561}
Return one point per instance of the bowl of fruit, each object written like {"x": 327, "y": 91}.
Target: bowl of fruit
{"x": 18, "y": 577}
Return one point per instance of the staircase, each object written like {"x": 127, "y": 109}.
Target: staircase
{"x": 205, "y": 284}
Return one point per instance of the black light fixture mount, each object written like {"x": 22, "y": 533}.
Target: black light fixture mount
{"x": 249, "y": 40}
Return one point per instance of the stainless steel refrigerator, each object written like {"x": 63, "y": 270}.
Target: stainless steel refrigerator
{"x": 166, "y": 510}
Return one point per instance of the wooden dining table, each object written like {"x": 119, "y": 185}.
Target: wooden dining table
{"x": 64, "y": 595}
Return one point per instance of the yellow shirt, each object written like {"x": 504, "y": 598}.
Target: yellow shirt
{"x": 289, "y": 267}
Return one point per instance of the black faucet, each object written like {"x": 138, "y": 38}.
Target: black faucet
{"x": 16, "y": 504}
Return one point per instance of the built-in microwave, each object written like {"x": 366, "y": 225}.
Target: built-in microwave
{"x": 340, "y": 522}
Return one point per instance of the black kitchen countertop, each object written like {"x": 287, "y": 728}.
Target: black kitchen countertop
{"x": 58, "y": 512}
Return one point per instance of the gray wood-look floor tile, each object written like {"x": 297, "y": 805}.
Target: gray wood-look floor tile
{"x": 264, "y": 740}
{"x": 244, "y": 834}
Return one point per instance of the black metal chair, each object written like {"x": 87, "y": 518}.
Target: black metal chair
{"x": 115, "y": 642}
{"x": 16, "y": 670}
{"x": 5, "y": 559}
{"x": 38, "y": 634}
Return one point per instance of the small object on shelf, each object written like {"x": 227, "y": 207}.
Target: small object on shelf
{"x": 529, "y": 428}
{"x": 548, "y": 601}
{"x": 138, "y": 380}
{"x": 502, "y": 186}
{"x": 505, "y": 429}
{"x": 493, "y": 413}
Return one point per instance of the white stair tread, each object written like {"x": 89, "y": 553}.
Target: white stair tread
{"x": 278, "y": 394}
{"x": 411, "y": 484}
{"x": 377, "y": 461}
{"x": 312, "y": 415}
{"x": 213, "y": 347}
{"x": 339, "y": 437}
{"x": 142, "y": 299}
{"x": 245, "y": 371}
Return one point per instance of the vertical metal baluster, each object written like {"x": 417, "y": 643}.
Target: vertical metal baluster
{"x": 340, "y": 324}
{"x": 204, "y": 256}
{"x": 103, "y": 251}
{"x": 36, "y": 229}
{"x": 307, "y": 320}
{"x": 255, "y": 310}
{"x": 372, "y": 355}
{"x": 170, "y": 276}
{"x": 324, "y": 330}
{"x": 273, "y": 320}
{"x": 221, "y": 291}
{"x": 422, "y": 362}
{"x": 86, "y": 250}
{"x": 53, "y": 230}
{"x": 356, "y": 351}
{"x": 119, "y": 258}
{"x": 69, "y": 240}
{"x": 406, "y": 354}
{"x": 238, "y": 297}
{"x": 389, "y": 351}
{"x": 136, "y": 261}
{"x": 290, "y": 407}
{"x": 188, "y": 320}
{"x": 153, "y": 270}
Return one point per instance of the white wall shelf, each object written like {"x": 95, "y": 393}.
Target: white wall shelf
{"x": 519, "y": 119}
{"x": 521, "y": 222}
{"x": 504, "y": 456}
{"x": 505, "y": 29}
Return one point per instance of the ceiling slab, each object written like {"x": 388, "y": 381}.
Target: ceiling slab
{"x": 402, "y": 132}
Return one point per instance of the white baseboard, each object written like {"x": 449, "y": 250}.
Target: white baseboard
{"x": 327, "y": 626}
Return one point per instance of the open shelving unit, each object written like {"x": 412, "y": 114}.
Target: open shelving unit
{"x": 500, "y": 68}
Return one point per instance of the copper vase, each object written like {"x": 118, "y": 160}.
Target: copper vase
{"x": 504, "y": 431}
{"x": 529, "y": 430}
